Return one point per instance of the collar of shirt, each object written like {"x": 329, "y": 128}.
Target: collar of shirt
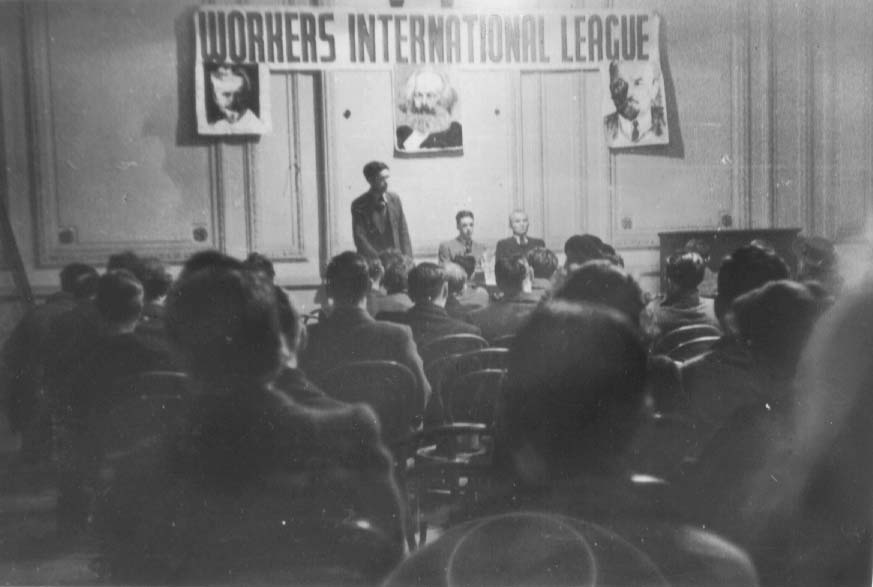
{"x": 521, "y": 240}
{"x": 644, "y": 124}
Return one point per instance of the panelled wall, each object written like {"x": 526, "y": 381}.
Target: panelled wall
{"x": 768, "y": 108}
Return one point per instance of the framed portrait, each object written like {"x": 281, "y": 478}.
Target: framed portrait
{"x": 427, "y": 110}
{"x": 634, "y": 107}
{"x": 232, "y": 99}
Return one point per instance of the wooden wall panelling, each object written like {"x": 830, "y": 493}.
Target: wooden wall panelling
{"x": 761, "y": 108}
{"x": 109, "y": 173}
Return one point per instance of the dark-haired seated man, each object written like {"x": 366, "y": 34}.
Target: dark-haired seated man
{"x": 681, "y": 304}
{"x": 775, "y": 322}
{"x": 118, "y": 352}
{"x": 351, "y": 334}
{"x": 465, "y": 295}
{"x": 573, "y": 400}
{"x": 428, "y": 287}
{"x": 255, "y": 488}
{"x": 543, "y": 263}
{"x": 505, "y": 316}
{"x": 395, "y": 282}
{"x": 719, "y": 382}
{"x": 155, "y": 280}
{"x": 24, "y": 357}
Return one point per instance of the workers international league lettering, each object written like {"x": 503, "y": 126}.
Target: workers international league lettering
{"x": 425, "y": 49}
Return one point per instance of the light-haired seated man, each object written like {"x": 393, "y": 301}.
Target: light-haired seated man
{"x": 519, "y": 243}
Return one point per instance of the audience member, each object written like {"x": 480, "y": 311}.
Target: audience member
{"x": 505, "y": 316}
{"x": 573, "y": 399}
{"x": 428, "y": 319}
{"x": 602, "y": 282}
{"x": 578, "y": 250}
{"x": 255, "y": 487}
{"x": 25, "y": 355}
{"x": 396, "y": 284}
{"x": 544, "y": 264}
{"x": 681, "y": 304}
{"x": 774, "y": 322}
{"x": 291, "y": 380}
{"x": 519, "y": 243}
{"x": 465, "y": 295}
{"x": 117, "y": 353}
{"x": 260, "y": 264}
{"x": 350, "y": 334}
{"x": 817, "y": 261}
{"x": 722, "y": 380}
{"x": 376, "y": 272}
{"x": 155, "y": 281}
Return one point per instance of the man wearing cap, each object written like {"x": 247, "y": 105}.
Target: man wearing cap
{"x": 378, "y": 222}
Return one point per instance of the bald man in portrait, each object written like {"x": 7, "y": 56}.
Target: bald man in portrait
{"x": 519, "y": 244}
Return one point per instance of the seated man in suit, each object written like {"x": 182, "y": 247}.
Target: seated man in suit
{"x": 519, "y": 243}
{"x": 462, "y": 245}
{"x": 118, "y": 352}
{"x": 505, "y": 316}
{"x": 543, "y": 263}
{"x": 351, "y": 334}
{"x": 720, "y": 382}
{"x": 464, "y": 295}
{"x": 25, "y": 355}
{"x": 253, "y": 485}
{"x": 428, "y": 286}
{"x": 681, "y": 305}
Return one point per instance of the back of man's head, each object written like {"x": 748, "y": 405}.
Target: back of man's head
{"x": 685, "y": 270}
{"x": 80, "y": 280}
{"x": 225, "y": 320}
{"x": 543, "y": 262}
{"x": 575, "y": 387}
{"x": 743, "y": 270}
{"x": 426, "y": 282}
{"x": 775, "y": 321}
{"x": 601, "y": 282}
{"x": 209, "y": 259}
{"x": 373, "y": 168}
{"x": 581, "y": 248}
{"x": 346, "y": 278}
{"x": 260, "y": 263}
{"x": 397, "y": 267}
{"x": 457, "y": 278}
{"x": 119, "y": 297}
{"x": 510, "y": 273}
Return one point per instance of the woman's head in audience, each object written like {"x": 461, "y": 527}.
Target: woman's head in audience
{"x": 743, "y": 270}
{"x": 397, "y": 267}
{"x": 346, "y": 279}
{"x": 775, "y": 321}
{"x": 149, "y": 271}
{"x": 684, "y": 272}
{"x": 79, "y": 280}
{"x": 428, "y": 284}
{"x": 574, "y": 392}
{"x": 209, "y": 258}
{"x": 225, "y": 320}
{"x": 119, "y": 300}
{"x": 581, "y": 248}
{"x": 602, "y": 282}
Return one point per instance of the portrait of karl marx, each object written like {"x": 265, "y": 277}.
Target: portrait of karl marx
{"x": 426, "y": 109}
{"x": 636, "y": 90}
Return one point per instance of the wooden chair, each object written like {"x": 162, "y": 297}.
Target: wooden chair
{"x": 503, "y": 342}
{"x": 473, "y": 396}
{"x": 386, "y": 386}
{"x": 445, "y": 370}
{"x": 451, "y": 344}
{"x": 693, "y": 348}
{"x": 670, "y": 340}
{"x": 451, "y": 466}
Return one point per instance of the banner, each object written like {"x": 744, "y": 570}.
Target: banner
{"x": 294, "y": 38}
{"x": 237, "y": 46}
